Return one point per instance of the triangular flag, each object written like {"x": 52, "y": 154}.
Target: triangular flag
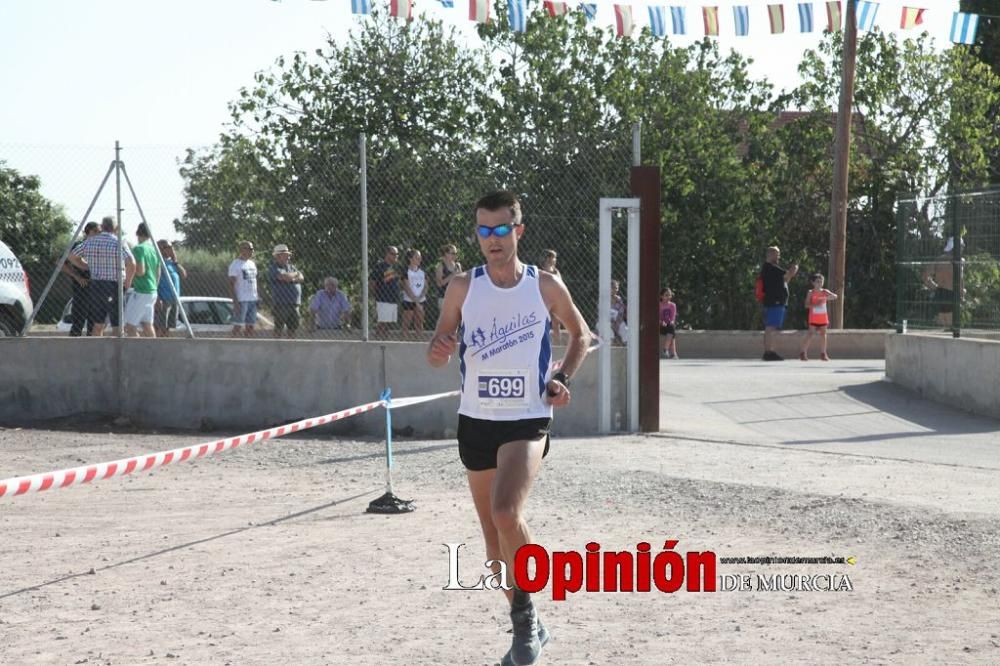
{"x": 805, "y": 17}
{"x": 777, "y": 15}
{"x": 590, "y": 10}
{"x": 912, "y": 16}
{"x": 555, "y": 9}
{"x": 401, "y": 9}
{"x": 866, "y": 14}
{"x": 479, "y": 11}
{"x": 623, "y": 20}
{"x": 361, "y": 7}
{"x": 658, "y": 21}
{"x": 963, "y": 28}
{"x": 741, "y": 17}
{"x": 677, "y": 18}
{"x": 833, "y": 16}
{"x": 711, "y": 16}
{"x": 448, "y": 4}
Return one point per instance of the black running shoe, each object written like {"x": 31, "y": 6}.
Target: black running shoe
{"x": 530, "y": 635}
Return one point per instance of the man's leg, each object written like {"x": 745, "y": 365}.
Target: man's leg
{"x": 769, "y": 339}
{"x": 517, "y": 466}
{"x": 481, "y": 487}
{"x": 79, "y": 313}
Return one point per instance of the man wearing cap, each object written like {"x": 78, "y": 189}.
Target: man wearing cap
{"x": 286, "y": 291}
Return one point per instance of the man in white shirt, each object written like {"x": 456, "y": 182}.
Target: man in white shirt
{"x": 243, "y": 285}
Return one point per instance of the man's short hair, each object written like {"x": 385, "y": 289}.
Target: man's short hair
{"x": 499, "y": 200}
{"x": 108, "y": 224}
{"x": 773, "y": 249}
{"x": 142, "y": 231}
{"x": 90, "y": 227}
{"x": 245, "y": 244}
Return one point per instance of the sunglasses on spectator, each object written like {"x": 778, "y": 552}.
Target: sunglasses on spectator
{"x": 499, "y": 231}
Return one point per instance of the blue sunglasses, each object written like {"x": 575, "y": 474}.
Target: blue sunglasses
{"x": 499, "y": 231}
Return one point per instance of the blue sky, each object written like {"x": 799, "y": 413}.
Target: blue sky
{"x": 77, "y": 75}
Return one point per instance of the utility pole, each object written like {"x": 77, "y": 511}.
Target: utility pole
{"x": 841, "y": 167}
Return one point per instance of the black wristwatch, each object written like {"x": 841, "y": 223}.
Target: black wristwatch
{"x": 561, "y": 378}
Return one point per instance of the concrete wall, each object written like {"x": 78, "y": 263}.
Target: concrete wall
{"x": 964, "y": 373}
{"x": 750, "y": 344}
{"x": 246, "y": 385}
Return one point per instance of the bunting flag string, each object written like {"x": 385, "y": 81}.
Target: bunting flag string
{"x": 964, "y": 26}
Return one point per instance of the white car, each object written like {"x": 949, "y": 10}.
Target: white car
{"x": 207, "y": 314}
{"x": 15, "y": 294}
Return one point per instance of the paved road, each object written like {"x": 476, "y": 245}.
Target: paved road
{"x": 931, "y": 455}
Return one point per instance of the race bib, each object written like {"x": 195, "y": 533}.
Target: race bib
{"x": 820, "y": 309}
{"x": 503, "y": 389}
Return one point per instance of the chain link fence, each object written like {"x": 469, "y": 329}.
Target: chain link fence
{"x": 337, "y": 210}
{"x": 943, "y": 284}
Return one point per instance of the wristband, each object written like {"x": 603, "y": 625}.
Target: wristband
{"x": 561, "y": 378}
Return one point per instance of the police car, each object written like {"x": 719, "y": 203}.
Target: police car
{"x": 15, "y": 294}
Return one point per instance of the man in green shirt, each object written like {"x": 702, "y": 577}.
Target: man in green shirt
{"x": 140, "y": 304}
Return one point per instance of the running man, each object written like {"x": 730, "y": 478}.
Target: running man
{"x": 498, "y": 316}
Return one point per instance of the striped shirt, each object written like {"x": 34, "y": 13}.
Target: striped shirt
{"x": 101, "y": 254}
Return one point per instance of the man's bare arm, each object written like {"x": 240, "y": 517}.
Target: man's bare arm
{"x": 560, "y": 304}
{"x": 444, "y": 341}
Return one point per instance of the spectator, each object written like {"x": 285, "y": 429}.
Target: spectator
{"x": 167, "y": 307}
{"x": 939, "y": 277}
{"x": 446, "y": 270}
{"x": 140, "y": 307}
{"x": 329, "y": 307}
{"x": 243, "y": 285}
{"x": 548, "y": 264}
{"x": 286, "y": 291}
{"x": 816, "y": 300}
{"x": 619, "y": 327}
{"x": 668, "y": 323}
{"x": 100, "y": 254}
{"x": 82, "y": 295}
{"x": 414, "y": 293}
{"x": 384, "y": 283}
{"x": 775, "y": 281}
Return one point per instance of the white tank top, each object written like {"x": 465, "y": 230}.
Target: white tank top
{"x": 416, "y": 279}
{"x": 504, "y": 349}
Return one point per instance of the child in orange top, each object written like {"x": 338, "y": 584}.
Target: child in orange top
{"x": 816, "y": 300}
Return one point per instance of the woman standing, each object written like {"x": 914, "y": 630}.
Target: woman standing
{"x": 445, "y": 270}
{"x": 414, "y": 293}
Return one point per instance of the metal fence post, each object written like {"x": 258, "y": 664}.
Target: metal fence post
{"x": 956, "y": 269}
{"x": 363, "y": 149}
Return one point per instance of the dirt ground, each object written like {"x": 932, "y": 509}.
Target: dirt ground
{"x": 265, "y": 555}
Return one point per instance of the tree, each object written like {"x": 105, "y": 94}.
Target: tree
{"x": 34, "y": 228}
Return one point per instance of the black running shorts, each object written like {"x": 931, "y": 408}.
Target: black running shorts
{"x": 480, "y": 439}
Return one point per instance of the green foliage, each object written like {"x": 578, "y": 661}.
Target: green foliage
{"x": 547, "y": 113}
{"x": 34, "y": 228}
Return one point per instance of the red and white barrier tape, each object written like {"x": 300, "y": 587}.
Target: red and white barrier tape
{"x": 70, "y": 477}
{"x": 64, "y": 478}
